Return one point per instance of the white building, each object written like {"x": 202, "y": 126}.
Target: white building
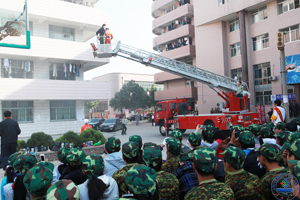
{"x": 44, "y": 98}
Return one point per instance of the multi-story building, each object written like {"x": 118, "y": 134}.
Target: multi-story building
{"x": 44, "y": 85}
{"x": 174, "y": 26}
{"x": 238, "y": 38}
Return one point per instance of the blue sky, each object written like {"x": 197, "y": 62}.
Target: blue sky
{"x": 130, "y": 22}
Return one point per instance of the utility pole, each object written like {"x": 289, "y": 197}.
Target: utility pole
{"x": 280, "y": 46}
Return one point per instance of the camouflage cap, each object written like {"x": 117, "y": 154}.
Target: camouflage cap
{"x": 62, "y": 154}
{"x": 93, "y": 165}
{"x": 266, "y": 131}
{"x": 24, "y": 162}
{"x": 282, "y": 134}
{"x": 296, "y": 120}
{"x": 237, "y": 127}
{"x": 177, "y": 134}
{"x": 293, "y": 136}
{"x": 194, "y": 139}
{"x": 186, "y": 157}
{"x": 63, "y": 190}
{"x": 294, "y": 148}
{"x": 137, "y": 139}
{"x": 174, "y": 146}
{"x": 205, "y": 159}
{"x": 48, "y": 165}
{"x": 270, "y": 151}
{"x": 149, "y": 144}
{"x": 152, "y": 156}
{"x": 235, "y": 157}
{"x": 13, "y": 157}
{"x": 271, "y": 125}
{"x": 130, "y": 149}
{"x": 37, "y": 180}
{"x": 296, "y": 169}
{"x": 291, "y": 126}
{"x": 113, "y": 145}
{"x": 141, "y": 179}
{"x": 254, "y": 128}
{"x": 75, "y": 156}
{"x": 208, "y": 130}
{"x": 246, "y": 137}
{"x": 280, "y": 125}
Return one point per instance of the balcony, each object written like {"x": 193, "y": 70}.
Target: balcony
{"x": 186, "y": 30}
{"x": 186, "y": 10}
{"x": 39, "y": 89}
{"x": 181, "y": 92}
{"x": 159, "y": 7}
{"x": 184, "y": 51}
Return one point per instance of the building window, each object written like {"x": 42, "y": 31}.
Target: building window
{"x": 16, "y": 68}
{"x": 234, "y": 25}
{"x": 22, "y": 111}
{"x": 221, "y": 2}
{"x": 31, "y": 28}
{"x": 62, "y": 110}
{"x": 235, "y": 49}
{"x": 148, "y": 85}
{"x": 263, "y": 98}
{"x": 63, "y": 71}
{"x": 263, "y": 87}
{"x": 237, "y": 73}
{"x": 291, "y": 33}
{"x": 260, "y": 42}
{"x": 61, "y": 33}
{"x": 287, "y": 5}
{"x": 259, "y": 15}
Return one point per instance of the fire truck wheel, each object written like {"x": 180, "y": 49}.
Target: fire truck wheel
{"x": 183, "y": 109}
{"x": 162, "y": 130}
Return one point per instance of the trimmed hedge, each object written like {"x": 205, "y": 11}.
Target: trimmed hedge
{"x": 70, "y": 137}
{"x": 40, "y": 138}
{"x": 92, "y": 135}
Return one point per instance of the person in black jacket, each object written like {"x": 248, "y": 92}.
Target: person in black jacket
{"x": 9, "y": 131}
{"x": 101, "y": 32}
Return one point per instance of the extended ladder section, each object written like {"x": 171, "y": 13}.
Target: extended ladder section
{"x": 182, "y": 69}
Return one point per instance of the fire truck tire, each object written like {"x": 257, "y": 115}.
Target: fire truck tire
{"x": 209, "y": 122}
{"x": 162, "y": 130}
{"x": 182, "y": 130}
{"x": 183, "y": 109}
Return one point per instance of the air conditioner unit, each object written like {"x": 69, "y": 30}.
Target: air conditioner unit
{"x": 273, "y": 78}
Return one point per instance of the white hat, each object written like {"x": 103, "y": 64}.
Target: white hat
{"x": 86, "y": 121}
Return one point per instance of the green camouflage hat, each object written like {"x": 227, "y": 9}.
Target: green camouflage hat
{"x": 93, "y": 165}
{"x": 237, "y": 127}
{"x": 130, "y": 149}
{"x": 293, "y": 136}
{"x": 186, "y": 157}
{"x": 296, "y": 169}
{"x": 235, "y": 157}
{"x": 75, "y": 156}
{"x": 294, "y": 148}
{"x": 270, "y": 151}
{"x": 208, "y": 130}
{"x": 177, "y": 134}
{"x": 149, "y": 144}
{"x": 37, "y": 180}
{"x": 205, "y": 159}
{"x": 63, "y": 190}
{"x": 141, "y": 179}
{"x": 254, "y": 128}
{"x": 62, "y": 154}
{"x": 194, "y": 139}
{"x": 246, "y": 137}
{"x": 297, "y": 120}
{"x": 13, "y": 157}
{"x": 24, "y": 162}
{"x": 265, "y": 131}
{"x": 137, "y": 139}
{"x": 282, "y": 134}
{"x": 174, "y": 146}
{"x": 152, "y": 156}
{"x": 113, "y": 145}
{"x": 48, "y": 165}
{"x": 280, "y": 125}
{"x": 271, "y": 125}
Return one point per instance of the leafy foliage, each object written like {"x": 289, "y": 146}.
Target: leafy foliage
{"x": 70, "y": 137}
{"x": 92, "y": 135}
{"x": 90, "y": 105}
{"x": 152, "y": 102}
{"x": 21, "y": 145}
{"x": 40, "y": 138}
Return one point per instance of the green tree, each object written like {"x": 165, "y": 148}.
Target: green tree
{"x": 117, "y": 103}
{"x": 152, "y": 102}
{"x": 90, "y": 105}
{"x": 40, "y": 138}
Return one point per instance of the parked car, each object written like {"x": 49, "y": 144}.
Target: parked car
{"x": 96, "y": 122}
{"x": 112, "y": 124}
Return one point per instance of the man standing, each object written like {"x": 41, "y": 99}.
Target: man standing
{"x": 295, "y": 108}
{"x": 9, "y": 131}
{"x": 152, "y": 119}
{"x": 86, "y": 125}
{"x": 124, "y": 128}
{"x": 101, "y": 32}
{"x": 278, "y": 113}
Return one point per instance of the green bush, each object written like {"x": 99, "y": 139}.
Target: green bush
{"x": 40, "y": 138}
{"x": 92, "y": 135}
{"x": 21, "y": 145}
{"x": 70, "y": 137}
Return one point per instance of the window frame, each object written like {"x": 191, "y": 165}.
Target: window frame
{"x": 18, "y": 108}
{"x": 235, "y": 24}
{"x": 236, "y": 72}
{"x": 264, "y": 39}
{"x": 260, "y": 11}
{"x": 62, "y": 107}
{"x": 235, "y": 47}
{"x": 291, "y": 31}
{"x": 62, "y": 33}
{"x": 289, "y": 4}
{"x": 16, "y": 69}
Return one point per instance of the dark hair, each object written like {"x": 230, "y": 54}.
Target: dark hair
{"x": 202, "y": 173}
{"x": 7, "y": 113}
{"x": 291, "y": 154}
{"x": 157, "y": 168}
{"x": 96, "y": 188}
{"x": 149, "y": 196}
{"x": 111, "y": 150}
{"x": 62, "y": 167}
{"x": 219, "y": 135}
{"x": 131, "y": 160}
{"x": 9, "y": 175}
{"x": 260, "y": 140}
{"x": 267, "y": 159}
{"x": 72, "y": 168}
{"x": 281, "y": 140}
{"x": 103, "y": 24}
{"x": 208, "y": 139}
{"x": 20, "y": 191}
{"x": 277, "y": 102}
{"x": 228, "y": 163}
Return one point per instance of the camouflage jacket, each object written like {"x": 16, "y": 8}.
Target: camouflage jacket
{"x": 243, "y": 184}
{"x": 280, "y": 158}
{"x": 210, "y": 189}
{"x": 120, "y": 179}
{"x": 168, "y": 186}
{"x": 171, "y": 164}
{"x": 266, "y": 180}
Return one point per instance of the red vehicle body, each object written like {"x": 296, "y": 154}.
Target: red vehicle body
{"x": 175, "y": 112}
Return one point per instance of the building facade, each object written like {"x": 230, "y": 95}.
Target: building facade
{"x": 238, "y": 39}
{"x": 43, "y": 86}
{"x": 174, "y": 26}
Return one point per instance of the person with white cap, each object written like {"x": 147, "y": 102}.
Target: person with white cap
{"x": 85, "y": 126}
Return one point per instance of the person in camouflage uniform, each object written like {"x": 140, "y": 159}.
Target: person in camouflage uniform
{"x": 296, "y": 172}
{"x": 293, "y": 152}
{"x": 13, "y": 157}
{"x": 281, "y": 138}
{"x": 204, "y": 163}
{"x": 63, "y": 190}
{"x": 280, "y": 126}
{"x": 195, "y": 140}
{"x": 254, "y": 128}
{"x": 24, "y": 162}
{"x": 138, "y": 139}
{"x": 174, "y": 148}
{"x": 37, "y": 181}
{"x": 168, "y": 185}
{"x": 130, "y": 152}
{"x": 268, "y": 155}
{"x": 48, "y": 165}
{"x": 208, "y": 133}
{"x": 150, "y": 144}
{"x": 62, "y": 157}
{"x": 243, "y": 183}
{"x": 177, "y": 134}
